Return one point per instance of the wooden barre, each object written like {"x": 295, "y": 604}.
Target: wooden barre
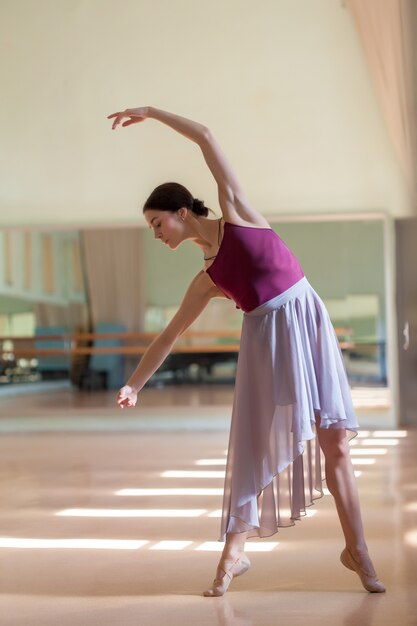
{"x": 149, "y": 336}
{"x": 123, "y": 350}
{"x": 132, "y": 350}
{"x": 77, "y": 337}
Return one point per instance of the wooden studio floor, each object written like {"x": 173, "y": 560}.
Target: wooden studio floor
{"x": 77, "y": 549}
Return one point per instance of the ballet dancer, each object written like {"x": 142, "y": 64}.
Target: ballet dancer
{"x": 292, "y": 397}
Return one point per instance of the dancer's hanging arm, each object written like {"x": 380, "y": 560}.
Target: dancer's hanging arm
{"x": 199, "y": 293}
{"x": 232, "y": 199}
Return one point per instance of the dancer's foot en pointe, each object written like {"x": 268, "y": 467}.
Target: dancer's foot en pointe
{"x": 361, "y": 563}
{"x": 226, "y": 571}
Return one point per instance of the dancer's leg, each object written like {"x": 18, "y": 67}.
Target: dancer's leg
{"x": 341, "y": 482}
{"x": 234, "y": 545}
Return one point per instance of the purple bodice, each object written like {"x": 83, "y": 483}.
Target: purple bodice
{"x": 253, "y": 265}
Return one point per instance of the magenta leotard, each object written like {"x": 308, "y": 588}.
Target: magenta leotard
{"x": 253, "y": 265}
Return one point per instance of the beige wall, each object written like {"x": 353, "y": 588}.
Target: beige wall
{"x": 282, "y": 83}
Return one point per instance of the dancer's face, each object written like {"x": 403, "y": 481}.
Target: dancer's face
{"x": 167, "y": 227}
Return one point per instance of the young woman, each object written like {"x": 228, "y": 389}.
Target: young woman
{"x": 291, "y": 383}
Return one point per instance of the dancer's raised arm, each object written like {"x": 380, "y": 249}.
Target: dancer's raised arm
{"x": 232, "y": 199}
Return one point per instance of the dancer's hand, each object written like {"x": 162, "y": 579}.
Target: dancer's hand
{"x": 127, "y": 396}
{"x": 134, "y": 116}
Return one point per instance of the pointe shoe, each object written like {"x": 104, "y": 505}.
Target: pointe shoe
{"x": 368, "y": 576}
{"x": 232, "y": 569}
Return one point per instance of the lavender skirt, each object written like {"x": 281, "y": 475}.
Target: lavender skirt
{"x": 290, "y": 370}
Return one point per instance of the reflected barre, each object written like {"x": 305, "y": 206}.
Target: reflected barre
{"x": 191, "y": 342}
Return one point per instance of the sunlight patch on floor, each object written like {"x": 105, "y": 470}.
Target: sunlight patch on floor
{"x": 183, "y": 491}
{"x": 192, "y": 474}
{"x": 131, "y": 513}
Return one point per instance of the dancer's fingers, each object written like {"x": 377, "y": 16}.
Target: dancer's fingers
{"x": 133, "y": 114}
{"x": 118, "y": 118}
{"x": 117, "y": 121}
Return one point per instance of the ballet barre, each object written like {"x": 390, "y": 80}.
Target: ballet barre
{"x": 191, "y": 342}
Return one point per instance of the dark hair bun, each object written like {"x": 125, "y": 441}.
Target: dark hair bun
{"x": 173, "y": 197}
{"x": 199, "y": 208}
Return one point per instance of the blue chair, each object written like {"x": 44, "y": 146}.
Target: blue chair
{"x": 52, "y": 365}
{"x": 111, "y": 365}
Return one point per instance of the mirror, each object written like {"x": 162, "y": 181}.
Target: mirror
{"x": 344, "y": 262}
{"x": 43, "y": 277}
{"x": 42, "y": 293}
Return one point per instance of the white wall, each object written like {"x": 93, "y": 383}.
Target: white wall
{"x": 282, "y": 83}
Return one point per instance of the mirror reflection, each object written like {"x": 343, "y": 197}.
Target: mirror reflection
{"x": 42, "y": 294}
{"x": 344, "y": 262}
{"x": 83, "y": 305}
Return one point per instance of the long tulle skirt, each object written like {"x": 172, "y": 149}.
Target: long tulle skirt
{"x": 290, "y": 371}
